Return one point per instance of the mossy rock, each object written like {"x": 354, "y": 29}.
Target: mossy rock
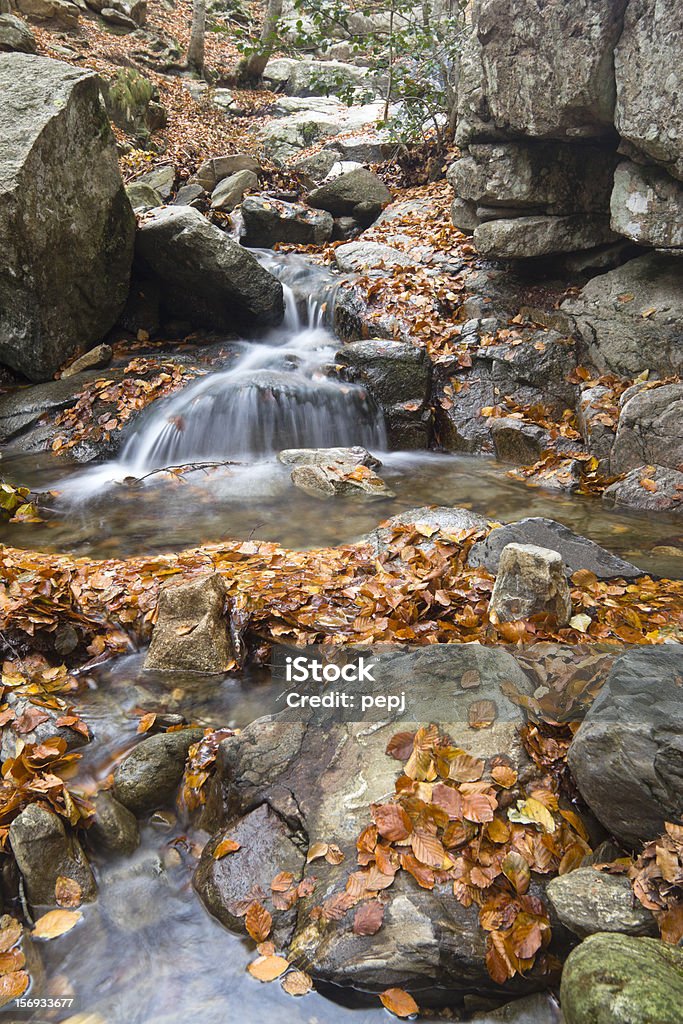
{"x": 618, "y": 979}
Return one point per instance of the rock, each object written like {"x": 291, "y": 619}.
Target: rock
{"x": 269, "y": 221}
{"x": 618, "y": 979}
{"x": 66, "y": 266}
{"x": 15, "y": 35}
{"x": 345, "y": 228}
{"x": 350, "y": 457}
{"x": 464, "y": 216}
{"x": 588, "y": 901}
{"x": 316, "y": 77}
{"x": 366, "y": 148}
{"x": 316, "y": 167}
{"x": 332, "y": 479}
{"x": 343, "y": 195}
{"x": 627, "y": 756}
{"x": 540, "y": 1008}
{"x": 217, "y": 168}
{"x": 308, "y": 121}
{"x": 320, "y": 777}
{"x": 650, "y": 488}
{"x": 150, "y": 774}
{"x": 361, "y": 257}
{"x": 188, "y": 194}
{"x": 596, "y": 423}
{"x": 647, "y": 206}
{"x": 22, "y": 410}
{"x": 397, "y": 375}
{"x": 44, "y": 850}
{"x": 143, "y": 197}
{"x": 650, "y": 430}
{"x": 60, "y": 12}
{"x": 137, "y": 894}
{"x": 517, "y": 442}
{"x": 530, "y": 237}
{"x": 191, "y": 632}
{"x": 95, "y": 359}
{"x": 118, "y": 17}
{"x": 161, "y": 179}
{"x": 267, "y": 848}
{"x": 577, "y": 552}
{"x": 12, "y": 742}
{"x": 530, "y": 581}
{"x": 229, "y": 192}
{"x": 439, "y": 519}
{"x": 114, "y": 828}
{"x": 649, "y": 114}
{"x": 630, "y": 318}
{"x": 203, "y": 275}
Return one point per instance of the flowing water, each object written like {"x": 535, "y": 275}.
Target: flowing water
{"x": 146, "y": 951}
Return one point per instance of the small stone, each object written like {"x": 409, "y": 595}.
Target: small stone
{"x": 341, "y": 196}
{"x": 588, "y": 901}
{"x": 188, "y": 194}
{"x": 95, "y": 359}
{"x": 114, "y": 828}
{"x": 530, "y": 581}
{"x": 149, "y": 776}
{"x": 517, "y": 442}
{"x": 219, "y": 167}
{"x": 191, "y": 632}
{"x": 142, "y": 196}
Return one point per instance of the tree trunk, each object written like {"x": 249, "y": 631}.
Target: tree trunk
{"x": 195, "y": 51}
{"x": 253, "y": 67}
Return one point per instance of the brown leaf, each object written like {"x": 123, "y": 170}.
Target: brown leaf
{"x": 334, "y": 855}
{"x": 465, "y": 768}
{"x": 282, "y": 881}
{"x": 297, "y": 983}
{"x": 399, "y": 1002}
{"x": 268, "y": 968}
{"x": 482, "y": 714}
{"x": 671, "y": 924}
{"x": 423, "y": 875}
{"x": 392, "y": 821}
{"x": 368, "y": 918}
{"x": 470, "y": 680}
{"x": 68, "y": 892}
{"x": 517, "y": 871}
{"x": 12, "y": 986}
{"x": 428, "y": 849}
{"x": 10, "y": 934}
{"x": 400, "y": 746}
{"x": 258, "y": 922}
{"x": 316, "y": 851}
{"x": 30, "y": 719}
{"x": 478, "y": 807}
{"x": 11, "y": 961}
{"x": 504, "y": 776}
{"x": 146, "y": 722}
{"x": 225, "y": 847}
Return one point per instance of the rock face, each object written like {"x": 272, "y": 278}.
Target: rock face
{"x": 66, "y": 265}
{"x": 627, "y": 756}
{"x": 615, "y": 979}
{"x": 269, "y": 221}
{"x": 589, "y": 901}
{"x": 43, "y": 851}
{"x": 191, "y": 632}
{"x": 647, "y": 206}
{"x": 650, "y": 430}
{"x": 15, "y": 35}
{"x": 318, "y": 780}
{"x": 203, "y": 275}
{"x": 149, "y": 776}
{"x": 530, "y": 581}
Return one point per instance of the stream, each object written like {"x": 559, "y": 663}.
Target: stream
{"x": 147, "y": 952}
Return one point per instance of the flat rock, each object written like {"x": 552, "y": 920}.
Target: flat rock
{"x": 361, "y": 257}
{"x": 530, "y": 237}
{"x": 588, "y": 901}
{"x": 268, "y": 221}
{"x": 649, "y": 488}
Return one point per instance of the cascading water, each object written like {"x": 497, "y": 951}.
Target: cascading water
{"x": 275, "y": 396}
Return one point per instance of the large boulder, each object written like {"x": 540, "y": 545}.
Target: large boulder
{"x": 204, "y": 276}
{"x": 317, "y": 77}
{"x": 627, "y": 756}
{"x": 617, "y": 979}
{"x": 61, "y": 13}
{"x": 65, "y": 220}
{"x": 647, "y": 206}
{"x": 15, "y": 35}
{"x": 191, "y": 632}
{"x": 44, "y": 850}
{"x": 630, "y": 319}
{"x": 269, "y": 221}
{"x": 344, "y": 195}
{"x": 650, "y": 430}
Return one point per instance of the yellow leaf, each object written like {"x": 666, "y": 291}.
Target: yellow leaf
{"x": 225, "y": 847}
{"x": 268, "y": 968}
{"x": 56, "y": 923}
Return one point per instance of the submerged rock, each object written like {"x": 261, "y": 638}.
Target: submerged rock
{"x": 616, "y": 979}
{"x": 530, "y": 581}
{"x": 588, "y": 901}
{"x": 149, "y": 776}
{"x": 44, "y": 850}
{"x": 65, "y": 220}
{"x": 114, "y": 828}
{"x": 191, "y": 632}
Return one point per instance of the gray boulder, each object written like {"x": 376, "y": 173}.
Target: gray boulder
{"x": 191, "y": 632}
{"x": 529, "y": 237}
{"x": 577, "y": 552}
{"x": 442, "y": 520}
{"x": 650, "y": 430}
{"x": 217, "y": 168}
{"x": 367, "y": 257}
{"x": 540, "y": 1008}
{"x": 334, "y": 478}
{"x": 229, "y": 192}
{"x": 518, "y": 442}
{"x": 66, "y": 265}
{"x": 627, "y": 756}
{"x": 344, "y": 194}
{"x": 204, "y": 276}
{"x": 589, "y": 901}
{"x": 149, "y": 776}
{"x": 630, "y": 319}
{"x": 650, "y": 488}
{"x": 347, "y": 457}
{"x": 114, "y": 828}
{"x": 143, "y": 197}
{"x": 60, "y": 12}
{"x": 44, "y": 850}
{"x": 618, "y": 979}
{"x": 530, "y": 581}
{"x": 161, "y": 179}
{"x": 647, "y": 206}
{"x": 269, "y": 221}
{"x": 15, "y": 35}
{"x": 316, "y": 77}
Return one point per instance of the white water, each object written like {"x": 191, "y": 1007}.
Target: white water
{"x": 275, "y": 396}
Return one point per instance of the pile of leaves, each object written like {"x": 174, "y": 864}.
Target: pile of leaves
{"x": 105, "y": 405}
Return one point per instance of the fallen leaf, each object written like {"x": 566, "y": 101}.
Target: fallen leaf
{"x": 258, "y": 922}
{"x": 68, "y": 892}
{"x": 297, "y": 983}
{"x": 368, "y": 918}
{"x": 268, "y": 968}
{"x": 225, "y": 847}
{"x": 399, "y": 1002}
{"x": 316, "y": 851}
{"x": 12, "y": 986}
{"x": 56, "y": 923}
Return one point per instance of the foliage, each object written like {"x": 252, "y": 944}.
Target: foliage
{"x": 16, "y": 504}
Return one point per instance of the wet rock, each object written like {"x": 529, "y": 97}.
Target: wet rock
{"x": 650, "y": 488}
{"x": 268, "y": 221}
{"x": 149, "y": 776}
{"x": 203, "y": 275}
{"x": 22, "y": 409}
{"x": 229, "y": 192}
{"x": 44, "y": 850}
{"x": 95, "y": 359}
{"x": 217, "y": 168}
{"x": 627, "y": 756}
{"x": 518, "y": 442}
{"x": 191, "y": 631}
{"x": 630, "y": 318}
{"x": 321, "y": 777}
{"x": 530, "y": 237}
{"x": 66, "y": 266}
{"x": 143, "y": 197}
{"x": 136, "y": 893}
{"x": 443, "y": 520}
{"x": 577, "y": 552}
{"x": 344, "y": 194}
{"x": 12, "y": 742}
{"x": 540, "y": 1008}
{"x": 530, "y": 581}
{"x": 618, "y": 979}
{"x": 15, "y": 35}
{"x": 114, "y": 828}
{"x": 650, "y": 430}
{"x": 348, "y": 457}
{"x": 333, "y": 479}
{"x": 592, "y": 411}
{"x": 267, "y": 848}
{"x": 647, "y": 206}
{"x": 588, "y": 901}
{"x": 362, "y": 257}
{"x": 397, "y": 375}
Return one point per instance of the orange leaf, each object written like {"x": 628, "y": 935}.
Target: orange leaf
{"x": 258, "y": 922}
{"x": 399, "y": 1002}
